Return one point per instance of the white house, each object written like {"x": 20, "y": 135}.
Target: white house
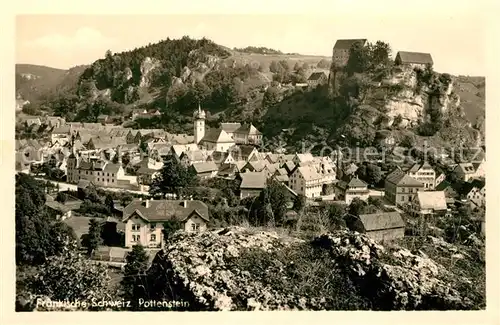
{"x": 144, "y": 219}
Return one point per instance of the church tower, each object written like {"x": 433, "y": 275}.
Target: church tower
{"x": 199, "y": 124}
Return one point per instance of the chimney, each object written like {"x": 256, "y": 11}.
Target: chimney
{"x": 147, "y": 203}
{"x": 184, "y": 203}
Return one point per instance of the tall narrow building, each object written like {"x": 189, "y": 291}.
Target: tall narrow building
{"x": 199, "y": 124}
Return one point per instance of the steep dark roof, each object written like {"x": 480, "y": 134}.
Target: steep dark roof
{"x": 398, "y": 177}
{"x": 380, "y": 221}
{"x": 248, "y": 129}
{"x": 414, "y": 57}
{"x": 316, "y": 75}
{"x": 164, "y": 210}
{"x": 356, "y": 182}
{"x": 345, "y": 44}
{"x": 241, "y": 151}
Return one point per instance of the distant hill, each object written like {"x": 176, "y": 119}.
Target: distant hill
{"x": 35, "y": 82}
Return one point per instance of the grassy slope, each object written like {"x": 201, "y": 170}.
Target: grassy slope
{"x": 472, "y": 96}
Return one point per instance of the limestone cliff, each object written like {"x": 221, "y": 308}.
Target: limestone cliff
{"x": 148, "y": 65}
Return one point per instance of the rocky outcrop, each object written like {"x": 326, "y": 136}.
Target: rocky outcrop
{"x": 399, "y": 279}
{"x": 199, "y": 269}
{"x": 193, "y": 268}
{"x": 413, "y": 103}
{"x": 147, "y": 67}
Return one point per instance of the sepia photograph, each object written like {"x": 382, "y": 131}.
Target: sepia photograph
{"x": 177, "y": 162}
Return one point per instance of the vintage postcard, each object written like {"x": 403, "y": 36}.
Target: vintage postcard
{"x": 216, "y": 163}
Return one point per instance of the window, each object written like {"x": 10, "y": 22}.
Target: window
{"x": 195, "y": 226}
{"x": 402, "y": 198}
{"x": 152, "y": 226}
{"x": 402, "y": 190}
{"x": 108, "y": 174}
{"x": 112, "y": 181}
{"x": 153, "y": 237}
{"x": 136, "y": 227}
{"x": 138, "y": 237}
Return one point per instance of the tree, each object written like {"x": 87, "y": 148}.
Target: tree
{"x": 274, "y": 67}
{"x": 37, "y": 235}
{"x": 94, "y": 237}
{"x": 277, "y": 194}
{"x": 359, "y": 59}
{"x": 109, "y": 202}
{"x": 169, "y": 227}
{"x": 30, "y": 109}
{"x": 62, "y": 197}
{"x": 373, "y": 174}
{"x": 323, "y": 64}
{"x": 271, "y": 97}
{"x": 380, "y": 54}
{"x": 357, "y": 207}
{"x": 134, "y": 272}
{"x": 336, "y": 214}
{"x": 297, "y": 66}
{"x": 71, "y": 277}
{"x": 173, "y": 178}
{"x": 299, "y": 203}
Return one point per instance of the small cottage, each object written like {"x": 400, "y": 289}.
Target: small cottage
{"x": 378, "y": 226}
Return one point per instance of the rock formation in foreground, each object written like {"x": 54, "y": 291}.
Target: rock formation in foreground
{"x": 242, "y": 269}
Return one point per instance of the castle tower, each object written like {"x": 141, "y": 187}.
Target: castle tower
{"x": 199, "y": 124}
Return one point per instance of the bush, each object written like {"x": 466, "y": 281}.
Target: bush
{"x": 303, "y": 271}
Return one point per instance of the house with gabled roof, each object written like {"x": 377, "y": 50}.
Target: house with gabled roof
{"x": 217, "y": 139}
{"x": 206, "y": 169}
{"x": 348, "y": 190}
{"x": 244, "y": 152}
{"x": 317, "y": 78}
{"x": 247, "y": 134}
{"x": 424, "y": 173}
{"x": 413, "y": 59}
{"x": 465, "y": 171}
{"x": 451, "y": 191}
{"x": 400, "y": 188}
{"x": 307, "y": 180}
{"x": 380, "y": 227}
{"x": 230, "y": 128}
{"x": 252, "y": 183}
{"x": 474, "y": 191}
{"x": 341, "y": 50}
{"x": 429, "y": 203}
{"x": 144, "y": 219}
{"x": 221, "y": 158}
{"x": 193, "y": 157}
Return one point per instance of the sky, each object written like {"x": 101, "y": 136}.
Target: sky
{"x": 455, "y": 38}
